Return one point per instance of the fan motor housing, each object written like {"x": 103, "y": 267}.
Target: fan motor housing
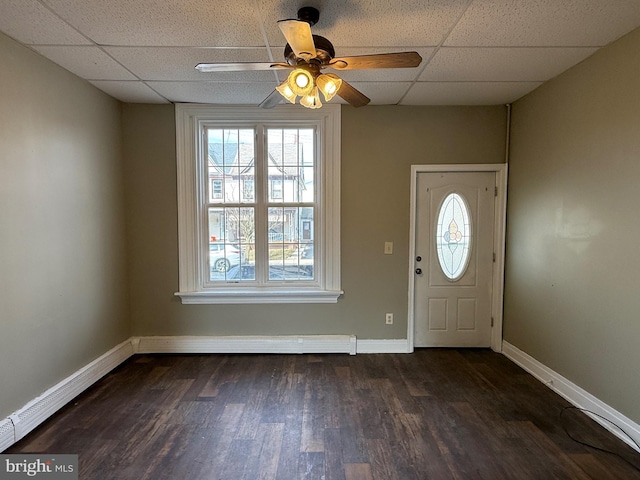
{"x": 324, "y": 51}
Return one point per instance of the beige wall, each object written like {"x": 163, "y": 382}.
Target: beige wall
{"x": 62, "y": 282}
{"x": 379, "y": 144}
{"x": 572, "y": 280}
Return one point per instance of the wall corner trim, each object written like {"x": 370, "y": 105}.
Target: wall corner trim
{"x": 575, "y": 395}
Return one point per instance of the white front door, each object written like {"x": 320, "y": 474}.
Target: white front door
{"x": 454, "y": 255}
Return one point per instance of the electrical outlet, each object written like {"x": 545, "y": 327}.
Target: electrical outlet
{"x": 388, "y": 318}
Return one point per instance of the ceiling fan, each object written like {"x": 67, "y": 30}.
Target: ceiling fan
{"x": 307, "y": 56}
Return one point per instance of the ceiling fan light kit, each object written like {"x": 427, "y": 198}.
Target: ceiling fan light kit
{"x": 308, "y": 55}
{"x": 300, "y": 81}
{"x": 303, "y": 83}
{"x": 285, "y": 90}
{"x": 312, "y": 99}
{"x": 329, "y": 84}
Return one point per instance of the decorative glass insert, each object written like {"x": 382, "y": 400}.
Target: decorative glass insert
{"x": 453, "y": 236}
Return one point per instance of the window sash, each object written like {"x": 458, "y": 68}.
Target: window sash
{"x": 228, "y": 269}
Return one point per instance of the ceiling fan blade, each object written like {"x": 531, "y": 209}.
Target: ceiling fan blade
{"x": 352, "y": 96}
{"x": 299, "y": 38}
{"x": 239, "y": 66}
{"x": 380, "y": 60}
{"x": 272, "y": 100}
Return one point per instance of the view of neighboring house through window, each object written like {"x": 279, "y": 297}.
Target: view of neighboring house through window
{"x": 260, "y": 204}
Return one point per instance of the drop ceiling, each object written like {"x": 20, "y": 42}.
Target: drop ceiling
{"x": 475, "y": 52}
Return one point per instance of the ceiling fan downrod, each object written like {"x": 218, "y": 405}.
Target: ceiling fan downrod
{"x": 310, "y": 15}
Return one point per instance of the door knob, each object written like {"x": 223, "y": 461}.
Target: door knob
{"x": 419, "y": 271}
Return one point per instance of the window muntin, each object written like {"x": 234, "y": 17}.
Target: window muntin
{"x": 323, "y": 228}
{"x": 453, "y": 236}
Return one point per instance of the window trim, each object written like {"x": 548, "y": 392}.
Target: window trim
{"x": 189, "y": 119}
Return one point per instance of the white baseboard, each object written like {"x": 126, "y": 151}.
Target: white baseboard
{"x": 575, "y": 395}
{"x": 247, "y": 344}
{"x": 383, "y": 346}
{"x": 23, "y": 421}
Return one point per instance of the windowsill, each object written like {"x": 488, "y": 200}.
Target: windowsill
{"x": 258, "y": 296}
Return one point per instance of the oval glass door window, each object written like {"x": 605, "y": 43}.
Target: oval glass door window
{"x": 453, "y": 236}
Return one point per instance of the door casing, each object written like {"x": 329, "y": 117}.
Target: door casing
{"x": 499, "y": 243}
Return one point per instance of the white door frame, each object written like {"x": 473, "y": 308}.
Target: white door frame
{"x": 500, "y": 170}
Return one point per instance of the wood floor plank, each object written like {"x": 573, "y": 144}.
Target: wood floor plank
{"x": 382, "y": 462}
{"x": 358, "y": 471}
{"x": 310, "y": 467}
{"x": 333, "y": 460}
{"x": 435, "y": 414}
{"x": 269, "y": 454}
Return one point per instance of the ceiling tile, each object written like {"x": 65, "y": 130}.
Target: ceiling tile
{"x": 29, "y": 22}
{"x": 467, "y": 93}
{"x": 164, "y": 23}
{"x": 87, "y": 62}
{"x": 366, "y": 23}
{"x": 129, "y": 92}
{"x": 545, "y": 22}
{"x": 177, "y": 63}
{"x": 502, "y": 64}
{"x": 475, "y": 52}
{"x": 214, "y": 92}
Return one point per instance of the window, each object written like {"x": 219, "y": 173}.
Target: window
{"x": 248, "y": 188}
{"x": 216, "y": 189}
{"x": 258, "y": 204}
{"x": 276, "y": 189}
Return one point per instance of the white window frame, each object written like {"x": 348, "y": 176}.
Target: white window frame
{"x": 189, "y": 121}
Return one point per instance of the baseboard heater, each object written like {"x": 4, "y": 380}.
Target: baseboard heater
{"x": 247, "y": 344}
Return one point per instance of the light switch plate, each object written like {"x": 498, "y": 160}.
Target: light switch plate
{"x": 388, "y": 248}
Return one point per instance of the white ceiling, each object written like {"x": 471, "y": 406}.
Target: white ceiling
{"x": 475, "y": 52}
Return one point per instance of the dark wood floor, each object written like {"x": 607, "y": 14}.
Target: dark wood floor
{"x": 434, "y": 414}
